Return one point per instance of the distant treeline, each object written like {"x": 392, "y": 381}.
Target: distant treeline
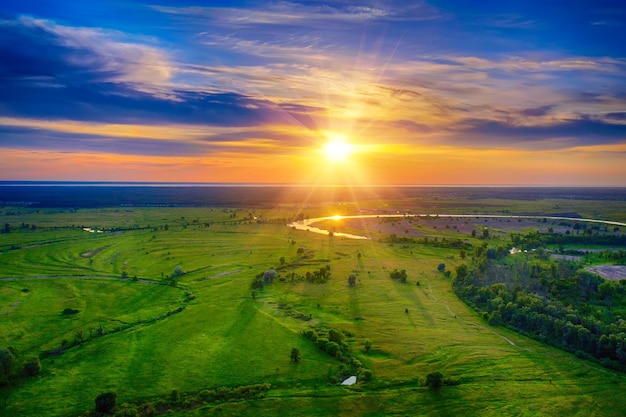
{"x": 536, "y": 239}
{"x": 434, "y": 242}
{"x": 115, "y": 195}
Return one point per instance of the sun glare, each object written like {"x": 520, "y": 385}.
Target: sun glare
{"x": 337, "y": 150}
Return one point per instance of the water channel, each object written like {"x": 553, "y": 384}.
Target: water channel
{"x": 307, "y": 223}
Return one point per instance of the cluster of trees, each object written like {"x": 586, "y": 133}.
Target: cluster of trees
{"x": 433, "y": 242}
{"x": 264, "y": 278}
{"x": 399, "y": 275}
{"x": 106, "y": 403}
{"x": 435, "y": 381}
{"x": 552, "y": 301}
{"x": 335, "y": 344}
{"x": 11, "y": 367}
{"x": 618, "y": 256}
{"x": 319, "y": 276}
{"x": 533, "y": 240}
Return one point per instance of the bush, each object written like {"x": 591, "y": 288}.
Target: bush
{"x": 175, "y": 396}
{"x": 105, "y": 403}
{"x": 295, "y": 355}
{"x": 399, "y": 275}
{"x": 32, "y": 367}
{"x": 368, "y": 346}
{"x": 434, "y": 380}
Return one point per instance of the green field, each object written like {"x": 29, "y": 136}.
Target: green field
{"x": 208, "y": 330}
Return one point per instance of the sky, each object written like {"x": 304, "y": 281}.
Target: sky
{"x": 415, "y": 92}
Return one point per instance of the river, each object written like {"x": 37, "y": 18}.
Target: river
{"x": 306, "y": 224}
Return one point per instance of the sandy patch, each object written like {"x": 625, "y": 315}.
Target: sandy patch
{"x": 612, "y": 272}
{"x": 93, "y": 252}
{"x": 224, "y": 274}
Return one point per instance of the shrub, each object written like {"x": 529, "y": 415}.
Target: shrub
{"x": 105, "y": 403}
{"x": 295, "y": 355}
{"x": 175, "y": 396}
{"x": 434, "y": 380}
{"x": 32, "y": 367}
{"x": 368, "y": 346}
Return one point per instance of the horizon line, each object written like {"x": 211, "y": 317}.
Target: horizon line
{"x": 260, "y": 184}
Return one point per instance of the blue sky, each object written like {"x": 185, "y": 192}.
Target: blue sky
{"x": 438, "y": 92}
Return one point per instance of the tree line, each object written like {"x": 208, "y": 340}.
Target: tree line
{"x": 552, "y": 301}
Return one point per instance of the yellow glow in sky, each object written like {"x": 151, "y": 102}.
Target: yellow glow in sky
{"x": 337, "y": 149}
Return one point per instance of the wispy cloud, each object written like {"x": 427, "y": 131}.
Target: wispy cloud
{"x": 308, "y": 14}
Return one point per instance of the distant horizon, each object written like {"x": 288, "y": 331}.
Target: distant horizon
{"x": 259, "y": 184}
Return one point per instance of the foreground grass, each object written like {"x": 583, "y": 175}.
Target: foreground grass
{"x": 224, "y": 337}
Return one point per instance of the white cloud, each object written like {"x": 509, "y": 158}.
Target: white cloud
{"x": 109, "y": 53}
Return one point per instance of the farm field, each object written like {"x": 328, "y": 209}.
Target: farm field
{"x": 165, "y": 309}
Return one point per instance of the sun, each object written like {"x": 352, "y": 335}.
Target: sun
{"x": 338, "y": 150}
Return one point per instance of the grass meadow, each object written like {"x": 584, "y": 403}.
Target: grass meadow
{"x": 208, "y": 331}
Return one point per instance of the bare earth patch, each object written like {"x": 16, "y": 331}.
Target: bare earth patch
{"x": 224, "y": 274}
{"x": 612, "y": 272}
{"x": 420, "y": 227}
{"x": 93, "y": 252}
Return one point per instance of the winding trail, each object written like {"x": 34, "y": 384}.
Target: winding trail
{"x": 306, "y": 224}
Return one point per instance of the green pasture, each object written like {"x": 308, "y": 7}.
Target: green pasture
{"x": 33, "y": 308}
{"x": 225, "y": 337}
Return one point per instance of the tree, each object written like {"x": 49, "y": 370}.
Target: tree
{"x": 461, "y": 271}
{"x": 352, "y": 280}
{"x": 175, "y": 396}
{"x": 32, "y": 367}
{"x": 295, "y": 355}
{"x": 368, "y": 346}
{"x": 105, "y": 403}
{"x": 399, "y": 275}
{"x": 269, "y": 275}
{"x": 8, "y": 364}
{"x": 441, "y": 267}
{"x": 434, "y": 380}
{"x": 282, "y": 260}
{"x": 178, "y": 270}
{"x": 474, "y": 233}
